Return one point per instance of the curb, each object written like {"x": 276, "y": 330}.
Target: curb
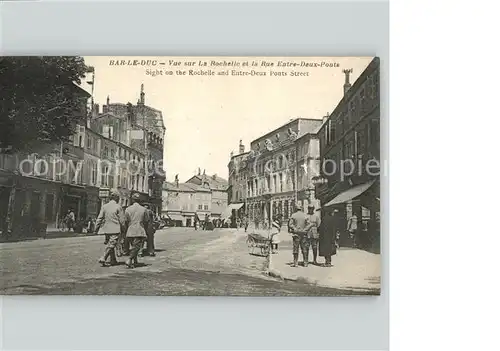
{"x": 272, "y": 272}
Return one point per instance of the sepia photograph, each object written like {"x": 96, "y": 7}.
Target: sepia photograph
{"x": 190, "y": 176}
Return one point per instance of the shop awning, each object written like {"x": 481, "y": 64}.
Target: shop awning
{"x": 350, "y": 194}
{"x": 236, "y": 206}
{"x": 229, "y": 210}
{"x": 175, "y": 217}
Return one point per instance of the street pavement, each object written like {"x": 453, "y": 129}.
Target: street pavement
{"x": 353, "y": 269}
{"x": 187, "y": 262}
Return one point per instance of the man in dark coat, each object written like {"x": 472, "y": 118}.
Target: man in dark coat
{"x": 330, "y": 227}
{"x": 149, "y": 250}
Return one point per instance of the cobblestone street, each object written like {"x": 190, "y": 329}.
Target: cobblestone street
{"x": 188, "y": 262}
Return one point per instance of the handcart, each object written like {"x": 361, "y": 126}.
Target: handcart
{"x": 259, "y": 245}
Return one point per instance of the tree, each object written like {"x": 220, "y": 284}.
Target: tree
{"x": 40, "y": 101}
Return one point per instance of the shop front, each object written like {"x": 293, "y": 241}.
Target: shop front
{"x": 93, "y": 203}
{"x": 358, "y": 202}
{"x": 73, "y": 198}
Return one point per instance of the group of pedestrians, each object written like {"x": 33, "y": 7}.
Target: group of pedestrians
{"x": 125, "y": 231}
{"x": 309, "y": 231}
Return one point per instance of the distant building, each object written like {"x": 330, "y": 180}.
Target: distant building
{"x": 182, "y": 201}
{"x": 218, "y": 187}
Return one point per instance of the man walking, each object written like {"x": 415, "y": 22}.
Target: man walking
{"x": 297, "y": 226}
{"x": 328, "y": 233}
{"x": 110, "y": 223}
{"x": 150, "y": 232}
{"x": 314, "y": 222}
{"x": 136, "y": 221}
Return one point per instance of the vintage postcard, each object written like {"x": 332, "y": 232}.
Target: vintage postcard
{"x": 223, "y": 176}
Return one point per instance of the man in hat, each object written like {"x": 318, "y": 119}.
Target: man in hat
{"x": 150, "y": 232}
{"x": 314, "y": 222}
{"x": 328, "y": 234}
{"x": 136, "y": 221}
{"x": 110, "y": 223}
{"x": 298, "y": 227}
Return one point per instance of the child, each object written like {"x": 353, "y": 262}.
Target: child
{"x": 275, "y": 232}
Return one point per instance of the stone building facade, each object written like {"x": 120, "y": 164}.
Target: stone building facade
{"x": 280, "y": 166}
{"x": 351, "y": 136}
{"x": 218, "y": 187}
{"x": 183, "y": 201}
{"x": 41, "y": 187}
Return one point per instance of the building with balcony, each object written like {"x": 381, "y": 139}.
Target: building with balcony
{"x": 280, "y": 167}
{"x": 350, "y": 140}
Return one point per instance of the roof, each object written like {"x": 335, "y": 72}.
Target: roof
{"x": 215, "y": 182}
{"x": 184, "y": 187}
{"x": 372, "y": 66}
{"x": 300, "y": 126}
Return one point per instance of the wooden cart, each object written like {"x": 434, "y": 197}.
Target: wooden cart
{"x": 259, "y": 245}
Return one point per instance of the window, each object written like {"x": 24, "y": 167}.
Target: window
{"x": 327, "y": 132}
{"x": 200, "y": 207}
{"x": 89, "y": 143}
{"x": 106, "y": 151}
{"x": 362, "y": 94}
{"x": 104, "y": 177}
{"x": 206, "y": 207}
{"x": 375, "y": 130}
{"x": 331, "y": 126}
{"x": 111, "y": 180}
{"x": 375, "y": 85}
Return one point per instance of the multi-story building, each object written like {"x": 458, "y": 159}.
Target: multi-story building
{"x": 138, "y": 132}
{"x": 237, "y": 191}
{"x": 350, "y": 140}
{"x": 280, "y": 168}
{"x": 182, "y": 201}
{"x": 41, "y": 187}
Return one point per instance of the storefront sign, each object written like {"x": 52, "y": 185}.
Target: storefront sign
{"x": 103, "y": 193}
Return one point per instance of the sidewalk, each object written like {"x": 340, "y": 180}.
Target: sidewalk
{"x": 352, "y": 269}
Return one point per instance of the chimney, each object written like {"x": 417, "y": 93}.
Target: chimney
{"x": 142, "y": 100}
{"x": 325, "y": 118}
{"x": 199, "y": 171}
{"x": 107, "y": 100}
{"x": 176, "y": 180}
{"x": 105, "y": 109}
{"x": 347, "y": 84}
{"x": 242, "y": 147}
{"x": 214, "y": 177}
